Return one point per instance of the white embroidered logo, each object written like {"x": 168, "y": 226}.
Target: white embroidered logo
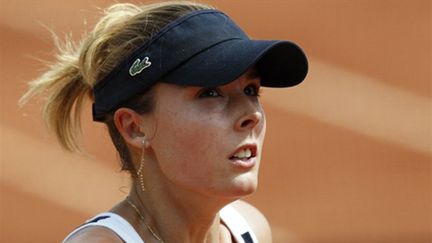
{"x": 138, "y": 66}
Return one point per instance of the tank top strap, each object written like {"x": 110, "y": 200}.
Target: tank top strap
{"x": 113, "y": 222}
{"x": 237, "y": 225}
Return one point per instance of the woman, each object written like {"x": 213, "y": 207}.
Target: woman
{"x": 177, "y": 84}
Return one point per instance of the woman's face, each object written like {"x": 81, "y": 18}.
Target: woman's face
{"x": 209, "y": 140}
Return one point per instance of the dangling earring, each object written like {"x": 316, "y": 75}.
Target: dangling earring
{"x": 139, "y": 172}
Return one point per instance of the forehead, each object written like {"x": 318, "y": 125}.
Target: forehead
{"x": 250, "y": 74}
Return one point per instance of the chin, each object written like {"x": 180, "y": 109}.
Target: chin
{"x": 244, "y": 185}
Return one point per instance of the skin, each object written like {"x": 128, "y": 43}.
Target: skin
{"x": 186, "y": 143}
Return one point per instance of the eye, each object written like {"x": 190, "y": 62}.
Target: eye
{"x": 252, "y": 90}
{"x": 209, "y": 92}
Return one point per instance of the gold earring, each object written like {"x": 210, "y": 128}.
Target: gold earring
{"x": 139, "y": 172}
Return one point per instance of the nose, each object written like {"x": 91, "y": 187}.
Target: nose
{"x": 248, "y": 121}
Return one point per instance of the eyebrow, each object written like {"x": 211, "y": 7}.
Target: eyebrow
{"x": 252, "y": 73}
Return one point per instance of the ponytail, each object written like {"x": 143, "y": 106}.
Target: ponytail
{"x": 65, "y": 91}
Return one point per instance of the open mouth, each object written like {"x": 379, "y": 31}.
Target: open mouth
{"x": 245, "y": 152}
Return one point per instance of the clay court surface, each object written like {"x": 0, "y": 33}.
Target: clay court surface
{"x": 347, "y": 156}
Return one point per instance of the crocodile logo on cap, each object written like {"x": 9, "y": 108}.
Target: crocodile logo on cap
{"x": 138, "y": 66}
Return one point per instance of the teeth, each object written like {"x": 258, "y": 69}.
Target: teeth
{"x": 248, "y": 153}
{"x": 245, "y": 153}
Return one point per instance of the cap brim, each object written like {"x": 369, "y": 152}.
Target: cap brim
{"x": 279, "y": 63}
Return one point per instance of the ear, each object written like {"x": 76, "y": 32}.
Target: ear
{"x": 128, "y": 123}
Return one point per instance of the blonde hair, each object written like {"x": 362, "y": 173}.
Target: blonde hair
{"x": 68, "y": 82}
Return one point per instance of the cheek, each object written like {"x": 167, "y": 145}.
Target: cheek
{"x": 263, "y": 129}
{"x": 187, "y": 144}
{"x": 261, "y": 137}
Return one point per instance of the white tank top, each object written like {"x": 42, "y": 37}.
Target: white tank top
{"x": 237, "y": 225}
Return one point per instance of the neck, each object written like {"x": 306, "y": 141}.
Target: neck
{"x": 179, "y": 215}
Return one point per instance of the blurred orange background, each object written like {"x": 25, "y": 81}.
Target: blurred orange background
{"x": 347, "y": 156}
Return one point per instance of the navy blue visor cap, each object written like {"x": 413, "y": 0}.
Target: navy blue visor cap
{"x": 204, "y": 48}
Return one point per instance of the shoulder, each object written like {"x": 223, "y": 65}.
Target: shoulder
{"x": 255, "y": 219}
{"x": 94, "y": 234}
